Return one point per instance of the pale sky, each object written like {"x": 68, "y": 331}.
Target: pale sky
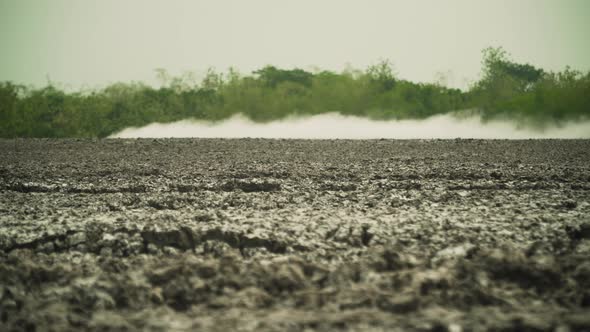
{"x": 93, "y": 43}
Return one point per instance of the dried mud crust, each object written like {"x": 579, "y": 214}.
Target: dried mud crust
{"x": 294, "y": 235}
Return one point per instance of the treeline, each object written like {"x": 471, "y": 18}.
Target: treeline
{"x": 506, "y": 90}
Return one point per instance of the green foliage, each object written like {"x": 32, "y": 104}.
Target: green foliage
{"x": 528, "y": 94}
{"x": 272, "y": 76}
{"x": 382, "y": 75}
{"x": 506, "y": 90}
{"x": 9, "y": 99}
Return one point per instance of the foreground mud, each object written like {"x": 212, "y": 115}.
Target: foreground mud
{"x": 294, "y": 235}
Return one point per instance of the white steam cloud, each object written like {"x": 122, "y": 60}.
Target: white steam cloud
{"x": 336, "y": 126}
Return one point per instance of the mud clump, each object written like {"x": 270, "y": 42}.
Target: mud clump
{"x": 294, "y": 235}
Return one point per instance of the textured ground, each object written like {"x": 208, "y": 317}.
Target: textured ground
{"x": 294, "y": 235}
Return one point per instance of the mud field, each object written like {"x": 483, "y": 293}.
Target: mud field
{"x": 294, "y": 235}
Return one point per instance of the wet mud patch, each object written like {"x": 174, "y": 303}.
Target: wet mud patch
{"x": 249, "y": 186}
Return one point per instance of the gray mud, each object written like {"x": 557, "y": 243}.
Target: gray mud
{"x": 294, "y": 235}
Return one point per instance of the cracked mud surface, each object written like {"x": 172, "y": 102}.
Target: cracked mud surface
{"x": 294, "y": 235}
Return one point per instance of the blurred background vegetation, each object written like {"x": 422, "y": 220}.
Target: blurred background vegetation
{"x": 506, "y": 90}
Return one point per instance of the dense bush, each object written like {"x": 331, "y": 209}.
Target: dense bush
{"x": 525, "y": 93}
{"x": 506, "y": 90}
